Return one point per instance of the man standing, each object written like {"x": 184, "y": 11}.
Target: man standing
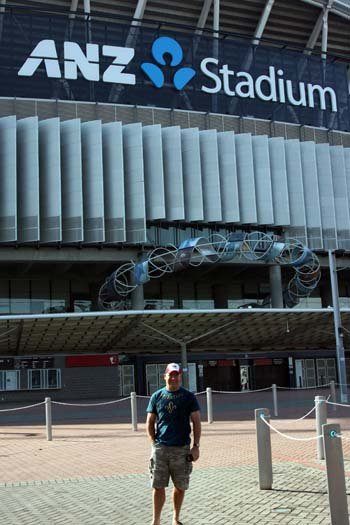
{"x": 169, "y": 413}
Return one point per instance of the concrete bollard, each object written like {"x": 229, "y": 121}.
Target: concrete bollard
{"x": 263, "y": 441}
{"x": 209, "y": 404}
{"x": 335, "y": 475}
{"x": 321, "y": 419}
{"x": 275, "y": 402}
{"x": 133, "y": 402}
{"x": 48, "y": 418}
{"x": 333, "y": 395}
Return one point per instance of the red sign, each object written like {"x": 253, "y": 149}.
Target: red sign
{"x": 227, "y": 362}
{"x": 263, "y": 361}
{"x": 91, "y": 360}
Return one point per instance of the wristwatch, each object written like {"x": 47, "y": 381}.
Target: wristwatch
{"x": 196, "y": 445}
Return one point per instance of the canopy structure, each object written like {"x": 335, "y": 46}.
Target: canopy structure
{"x": 164, "y": 330}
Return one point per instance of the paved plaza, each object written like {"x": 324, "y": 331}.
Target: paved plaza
{"x": 97, "y": 473}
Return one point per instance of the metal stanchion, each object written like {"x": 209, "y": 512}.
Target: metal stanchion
{"x": 321, "y": 419}
{"x": 209, "y": 405}
{"x": 275, "y": 402}
{"x": 333, "y": 395}
{"x": 335, "y": 475}
{"x": 133, "y": 403}
{"x": 48, "y": 418}
{"x": 263, "y": 441}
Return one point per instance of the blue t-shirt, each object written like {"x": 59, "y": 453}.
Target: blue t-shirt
{"x": 173, "y": 410}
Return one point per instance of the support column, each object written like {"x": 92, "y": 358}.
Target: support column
{"x": 137, "y": 298}
{"x": 184, "y": 365}
{"x": 276, "y": 286}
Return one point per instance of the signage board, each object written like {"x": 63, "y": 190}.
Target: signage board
{"x": 170, "y": 70}
{"x": 91, "y": 360}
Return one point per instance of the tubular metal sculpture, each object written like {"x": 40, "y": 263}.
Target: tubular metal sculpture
{"x": 254, "y": 246}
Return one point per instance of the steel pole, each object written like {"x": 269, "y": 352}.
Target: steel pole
{"x": 184, "y": 365}
{"x": 339, "y": 333}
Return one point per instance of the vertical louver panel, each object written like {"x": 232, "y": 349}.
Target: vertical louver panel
{"x": 311, "y": 194}
{"x": 191, "y": 166}
{"x": 347, "y": 170}
{"x": 135, "y": 207}
{"x": 113, "y": 182}
{"x": 72, "y": 184}
{"x": 50, "y": 180}
{"x": 297, "y": 228}
{"x": 246, "y": 184}
{"x": 341, "y": 201}
{"x": 8, "y": 180}
{"x": 228, "y": 177}
{"x": 93, "y": 202}
{"x": 279, "y": 182}
{"x": 154, "y": 175}
{"x": 325, "y": 185}
{"x": 262, "y": 179}
{"x": 173, "y": 177}
{"x": 28, "y": 180}
{"x": 210, "y": 175}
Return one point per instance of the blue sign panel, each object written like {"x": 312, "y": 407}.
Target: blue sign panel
{"x": 49, "y": 56}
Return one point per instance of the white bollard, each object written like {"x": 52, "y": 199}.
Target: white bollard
{"x": 333, "y": 395}
{"x": 335, "y": 475}
{"x": 321, "y": 419}
{"x": 263, "y": 441}
{"x": 209, "y": 404}
{"x": 133, "y": 402}
{"x": 274, "y": 397}
{"x": 48, "y": 418}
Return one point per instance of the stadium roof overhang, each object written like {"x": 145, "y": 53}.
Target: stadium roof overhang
{"x": 163, "y": 331}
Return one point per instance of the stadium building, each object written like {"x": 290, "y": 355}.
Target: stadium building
{"x": 174, "y": 185}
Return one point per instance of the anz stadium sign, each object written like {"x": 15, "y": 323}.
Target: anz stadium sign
{"x": 216, "y": 78}
{"x": 182, "y": 71}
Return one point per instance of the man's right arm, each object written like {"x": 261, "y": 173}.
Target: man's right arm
{"x": 150, "y": 426}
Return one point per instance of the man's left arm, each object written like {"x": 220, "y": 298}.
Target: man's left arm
{"x": 197, "y": 429}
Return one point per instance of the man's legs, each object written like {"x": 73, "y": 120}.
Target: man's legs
{"x": 158, "y": 502}
{"x": 178, "y": 497}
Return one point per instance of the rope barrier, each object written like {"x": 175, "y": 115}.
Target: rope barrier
{"x": 22, "y": 408}
{"x": 240, "y": 392}
{"x": 90, "y": 404}
{"x": 303, "y": 388}
{"x": 144, "y": 397}
{"x": 200, "y": 393}
{"x": 337, "y": 404}
{"x": 285, "y": 435}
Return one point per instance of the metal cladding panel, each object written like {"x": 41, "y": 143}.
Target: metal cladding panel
{"x": 262, "y": 179}
{"x": 341, "y": 201}
{"x": 28, "y": 180}
{"x": 8, "y": 180}
{"x": 325, "y": 185}
{"x": 72, "y": 182}
{"x": 347, "y": 169}
{"x": 50, "y": 180}
{"x": 312, "y": 199}
{"x": 210, "y": 175}
{"x": 297, "y": 228}
{"x": 279, "y": 182}
{"x": 173, "y": 177}
{"x": 113, "y": 182}
{"x": 246, "y": 184}
{"x": 191, "y": 166}
{"x": 135, "y": 207}
{"x": 228, "y": 177}
{"x": 93, "y": 201}
{"x": 154, "y": 176}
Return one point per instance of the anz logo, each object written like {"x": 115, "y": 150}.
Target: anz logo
{"x": 167, "y": 46}
{"x": 88, "y": 63}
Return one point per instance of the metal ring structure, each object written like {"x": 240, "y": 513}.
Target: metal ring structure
{"x": 252, "y": 246}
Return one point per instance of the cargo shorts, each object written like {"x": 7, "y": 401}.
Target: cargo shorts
{"x": 166, "y": 462}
